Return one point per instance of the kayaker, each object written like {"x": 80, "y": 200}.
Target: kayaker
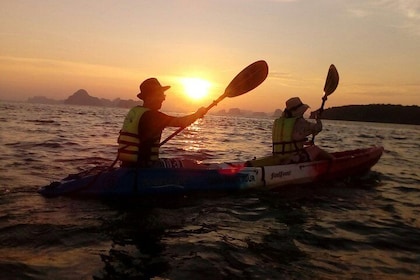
{"x": 290, "y": 132}
{"x": 141, "y": 132}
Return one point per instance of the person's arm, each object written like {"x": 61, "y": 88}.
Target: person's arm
{"x": 188, "y": 119}
{"x": 153, "y": 122}
{"x": 304, "y": 128}
{"x": 316, "y": 127}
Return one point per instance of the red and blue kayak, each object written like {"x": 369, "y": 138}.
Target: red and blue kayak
{"x": 132, "y": 182}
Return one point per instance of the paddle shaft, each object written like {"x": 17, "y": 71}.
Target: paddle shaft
{"x": 214, "y": 103}
{"x": 324, "y": 99}
{"x": 331, "y": 84}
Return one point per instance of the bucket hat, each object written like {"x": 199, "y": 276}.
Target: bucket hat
{"x": 295, "y": 106}
{"x": 149, "y": 87}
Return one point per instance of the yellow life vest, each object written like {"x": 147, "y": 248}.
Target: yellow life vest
{"x": 284, "y": 147}
{"x": 283, "y": 142}
{"x": 130, "y": 148}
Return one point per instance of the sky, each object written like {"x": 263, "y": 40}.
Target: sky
{"x": 53, "y": 48}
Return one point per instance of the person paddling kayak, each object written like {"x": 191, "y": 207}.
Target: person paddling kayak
{"x": 139, "y": 138}
{"x": 291, "y": 130}
{"x": 290, "y": 142}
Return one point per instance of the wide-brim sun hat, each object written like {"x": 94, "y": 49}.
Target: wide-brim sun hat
{"x": 296, "y": 107}
{"x": 149, "y": 87}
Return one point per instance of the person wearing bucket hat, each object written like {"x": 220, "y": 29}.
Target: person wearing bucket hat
{"x": 150, "y": 87}
{"x": 295, "y": 108}
{"x": 289, "y": 136}
{"x": 139, "y": 137}
{"x": 290, "y": 133}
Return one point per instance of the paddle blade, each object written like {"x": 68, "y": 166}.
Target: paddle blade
{"x": 331, "y": 82}
{"x": 248, "y": 79}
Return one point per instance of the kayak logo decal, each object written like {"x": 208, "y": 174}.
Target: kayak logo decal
{"x": 280, "y": 174}
{"x": 249, "y": 179}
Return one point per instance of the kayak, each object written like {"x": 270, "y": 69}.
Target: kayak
{"x": 138, "y": 182}
{"x": 177, "y": 179}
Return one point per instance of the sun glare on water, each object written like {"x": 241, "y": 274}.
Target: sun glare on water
{"x": 195, "y": 88}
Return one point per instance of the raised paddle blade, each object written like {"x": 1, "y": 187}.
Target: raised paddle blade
{"x": 331, "y": 84}
{"x": 248, "y": 79}
{"x": 332, "y": 80}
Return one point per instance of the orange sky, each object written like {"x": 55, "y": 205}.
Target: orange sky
{"x": 53, "y": 48}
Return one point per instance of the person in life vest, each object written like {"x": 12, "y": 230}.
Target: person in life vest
{"x": 289, "y": 137}
{"x": 139, "y": 138}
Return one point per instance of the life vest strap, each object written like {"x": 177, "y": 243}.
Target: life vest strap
{"x": 128, "y": 143}
{"x": 129, "y": 134}
{"x": 290, "y": 142}
{"x": 284, "y": 143}
{"x": 125, "y": 151}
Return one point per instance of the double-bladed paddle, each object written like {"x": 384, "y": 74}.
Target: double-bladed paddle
{"x": 331, "y": 84}
{"x": 248, "y": 79}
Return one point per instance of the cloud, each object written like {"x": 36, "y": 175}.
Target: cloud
{"x": 280, "y": 75}
{"x": 410, "y": 9}
{"x": 406, "y": 11}
{"x": 284, "y": 79}
{"x": 23, "y": 76}
{"x": 45, "y": 66}
{"x": 358, "y": 13}
{"x": 283, "y": 1}
{"x": 405, "y": 90}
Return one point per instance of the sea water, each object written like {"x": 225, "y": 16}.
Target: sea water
{"x": 366, "y": 228}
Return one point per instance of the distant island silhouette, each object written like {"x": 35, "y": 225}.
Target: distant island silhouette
{"x": 383, "y": 113}
{"x": 82, "y": 97}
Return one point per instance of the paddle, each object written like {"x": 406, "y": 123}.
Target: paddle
{"x": 248, "y": 79}
{"x": 331, "y": 84}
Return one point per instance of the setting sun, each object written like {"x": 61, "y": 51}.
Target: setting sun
{"x": 195, "y": 88}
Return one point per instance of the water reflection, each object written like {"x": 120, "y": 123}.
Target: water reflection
{"x": 136, "y": 234}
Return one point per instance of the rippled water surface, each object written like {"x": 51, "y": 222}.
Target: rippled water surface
{"x": 367, "y": 228}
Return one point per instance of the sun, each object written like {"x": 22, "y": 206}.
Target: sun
{"x": 195, "y": 88}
